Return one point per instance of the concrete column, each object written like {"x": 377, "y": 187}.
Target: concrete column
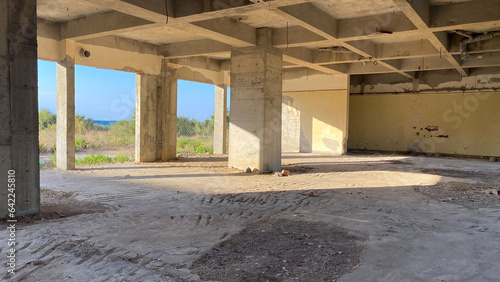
{"x": 255, "y": 118}
{"x": 167, "y": 113}
{"x": 220, "y": 119}
{"x": 146, "y": 111}
{"x": 19, "y": 107}
{"x": 66, "y": 110}
{"x": 156, "y": 116}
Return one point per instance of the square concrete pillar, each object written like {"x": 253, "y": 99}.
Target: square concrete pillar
{"x": 220, "y": 119}
{"x": 167, "y": 113}
{"x": 146, "y": 118}
{"x": 156, "y": 116}
{"x": 19, "y": 157}
{"x": 66, "y": 110}
{"x": 255, "y": 118}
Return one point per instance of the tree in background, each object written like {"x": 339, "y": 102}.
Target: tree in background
{"x": 46, "y": 119}
{"x": 186, "y": 126}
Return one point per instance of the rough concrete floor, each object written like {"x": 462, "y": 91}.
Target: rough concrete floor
{"x": 161, "y": 218}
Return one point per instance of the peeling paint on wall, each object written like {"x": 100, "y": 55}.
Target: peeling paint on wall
{"x": 445, "y": 81}
{"x": 448, "y": 123}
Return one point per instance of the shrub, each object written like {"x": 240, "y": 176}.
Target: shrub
{"x": 123, "y": 132}
{"x": 204, "y": 149}
{"x": 80, "y": 144}
{"x": 46, "y": 118}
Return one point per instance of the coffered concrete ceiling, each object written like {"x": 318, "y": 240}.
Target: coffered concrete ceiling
{"x": 329, "y": 36}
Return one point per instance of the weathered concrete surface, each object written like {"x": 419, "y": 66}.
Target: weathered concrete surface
{"x": 66, "y": 109}
{"x": 255, "y": 122}
{"x": 156, "y": 116}
{"x": 444, "y": 81}
{"x": 220, "y": 120}
{"x": 410, "y": 237}
{"x": 19, "y": 105}
{"x": 447, "y": 123}
{"x": 146, "y": 118}
{"x": 167, "y": 113}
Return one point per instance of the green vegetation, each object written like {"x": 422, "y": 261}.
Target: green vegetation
{"x": 190, "y": 127}
{"x": 84, "y": 125}
{"x": 195, "y": 144}
{"x": 193, "y": 136}
{"x": 46, "y": 119}
{"x": 100, "y": 158}
{"x": 88, "y": 134}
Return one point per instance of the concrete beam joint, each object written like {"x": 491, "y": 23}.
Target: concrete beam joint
{"x": 264, "y": 36}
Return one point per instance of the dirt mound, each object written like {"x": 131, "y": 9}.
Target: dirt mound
{"x": 280, "y": 250}
{"x": 57, "y": 204}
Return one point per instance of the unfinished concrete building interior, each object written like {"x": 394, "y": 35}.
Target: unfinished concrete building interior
{"x": 386, "y": 113}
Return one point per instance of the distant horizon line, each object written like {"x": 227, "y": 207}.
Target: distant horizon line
{"x": 113, "y": 121}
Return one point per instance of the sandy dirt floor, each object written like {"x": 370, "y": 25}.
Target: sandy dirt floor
{"x": 348, "y": 218}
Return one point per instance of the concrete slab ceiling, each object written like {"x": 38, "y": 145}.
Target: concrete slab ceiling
{"x": 330, "y": 36}
{"x": 65, "y": 10}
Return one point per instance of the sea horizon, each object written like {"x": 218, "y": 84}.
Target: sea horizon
{"x": 105, "y": 122}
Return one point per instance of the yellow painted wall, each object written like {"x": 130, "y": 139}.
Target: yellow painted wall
{"x": 468, "y": 124}
{"x": 321, "y": 117}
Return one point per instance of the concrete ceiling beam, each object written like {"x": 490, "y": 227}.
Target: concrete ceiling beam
{"x": 312, "y": 18}
{"x": 384, "y": 52}
{"x": 48, "y": 29}
{"x": 461, "y": 15}
{"x": 123, "y": 44}
{"x": 418, "y": 11}
{"x": 318, "y": 21}
{"x": 370, "y": 27}
{"x": 304, "y": 57}
{"x": 151, "y": 10}
{"x": 325, "y": 57}
{"x": 194, "y": 48}
{"x": 409, "y": 49}
{"x": 360, "y": 68}
{"x": 415, "y": 65}
{"x": 104, "y": 24}
{"x": 296, "y": 36}
{"x": 425, "y": 64}
{"x": 198, "y": 62}
{"x": 487, "y": 60}
{"x": 228, "y": 30}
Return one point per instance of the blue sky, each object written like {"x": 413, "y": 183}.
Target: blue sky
{"x": 110, "y": 95}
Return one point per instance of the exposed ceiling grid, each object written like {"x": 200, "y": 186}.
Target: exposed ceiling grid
{"x": 332, "y": 36}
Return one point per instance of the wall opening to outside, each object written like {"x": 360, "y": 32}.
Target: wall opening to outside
{"x": 105, "y": 114}
{"x": 195, "y": 117}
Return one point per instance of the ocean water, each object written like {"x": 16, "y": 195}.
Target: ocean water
{"x": 104, "y": 122}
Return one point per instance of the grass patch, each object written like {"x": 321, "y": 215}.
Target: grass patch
{"x": 194, "y": 144}
{"x": 100, "y": 158}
